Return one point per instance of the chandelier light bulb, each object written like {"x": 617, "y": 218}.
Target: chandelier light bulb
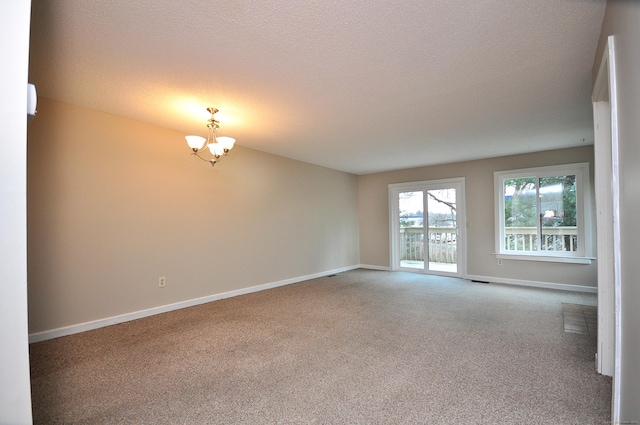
{"x": 213, "y": 148}
{"x": 195, "y": 142}
{"x": 216, "y": 149}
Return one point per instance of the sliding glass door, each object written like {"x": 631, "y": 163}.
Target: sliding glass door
{"x": 425, "y": 234}
{"x": 411, "y": 229}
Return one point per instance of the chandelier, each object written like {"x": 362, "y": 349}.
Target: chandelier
{"x": 213, "y": 148}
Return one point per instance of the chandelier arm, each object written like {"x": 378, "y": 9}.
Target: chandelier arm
{"x": 211, "y": 161}
{"x": 213, "y": 134}
{"x": 197, "y": 154}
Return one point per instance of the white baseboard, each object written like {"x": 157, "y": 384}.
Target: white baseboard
{"x": 87, "y": 326}
{"x": 535, "y": 284}
{"x": 519, "y": 282}
{"x": 372, "y": 267}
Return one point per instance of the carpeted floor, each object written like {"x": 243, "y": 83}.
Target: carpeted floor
{"x": 362, "y": 347}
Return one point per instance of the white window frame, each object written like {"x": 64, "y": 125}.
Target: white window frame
{"x": 583, "y": 211}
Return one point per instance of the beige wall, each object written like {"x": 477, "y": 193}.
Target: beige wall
{"x": 622, "y": 20}
{"x": 479, "y": 187}
{"x": 114, "y": 203}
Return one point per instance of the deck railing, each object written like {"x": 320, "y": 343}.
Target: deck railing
{"x": 443, "y": 247}
{"x": 442, "y": 244}
{"x": 561, "y": 238}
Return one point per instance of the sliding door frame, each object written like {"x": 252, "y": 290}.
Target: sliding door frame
{"x": 394, "y": 226}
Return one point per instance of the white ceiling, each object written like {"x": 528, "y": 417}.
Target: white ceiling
{"x": 359, "y": 86}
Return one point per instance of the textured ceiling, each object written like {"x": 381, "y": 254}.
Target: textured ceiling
{"x": 359, "y": 86}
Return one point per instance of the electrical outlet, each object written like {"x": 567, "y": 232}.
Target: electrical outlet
{"x": 162, "y": 281}
{"x": 500, "y": 262}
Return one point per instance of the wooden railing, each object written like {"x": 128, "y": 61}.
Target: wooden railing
{"x": 443, "y": 248}
{"x": 562, "y": 238}
{"x": 442, "y": 244}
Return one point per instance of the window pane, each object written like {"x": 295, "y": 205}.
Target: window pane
{"x": 411, "y": 216}
{"x": 520, "y": 214}
{"x": 558, "y": 217}
{"x": 442, "y": 230}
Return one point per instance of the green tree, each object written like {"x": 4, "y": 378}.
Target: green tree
{"x": 520, "y": 207}
{"x": 405, "y": 218}
{"x": 565, "y": 215}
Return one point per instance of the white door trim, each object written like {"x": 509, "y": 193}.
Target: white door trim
{"x": 607, "y": 183}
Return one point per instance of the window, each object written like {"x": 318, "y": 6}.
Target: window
{"x": 541, "y": 214}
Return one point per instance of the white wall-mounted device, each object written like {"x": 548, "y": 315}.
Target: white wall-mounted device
{"x": 32, "y": 101}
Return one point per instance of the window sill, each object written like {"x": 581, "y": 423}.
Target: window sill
{"x": 546, "y": 258}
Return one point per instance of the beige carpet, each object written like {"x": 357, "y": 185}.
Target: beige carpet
{"x": 363, "y": 347}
